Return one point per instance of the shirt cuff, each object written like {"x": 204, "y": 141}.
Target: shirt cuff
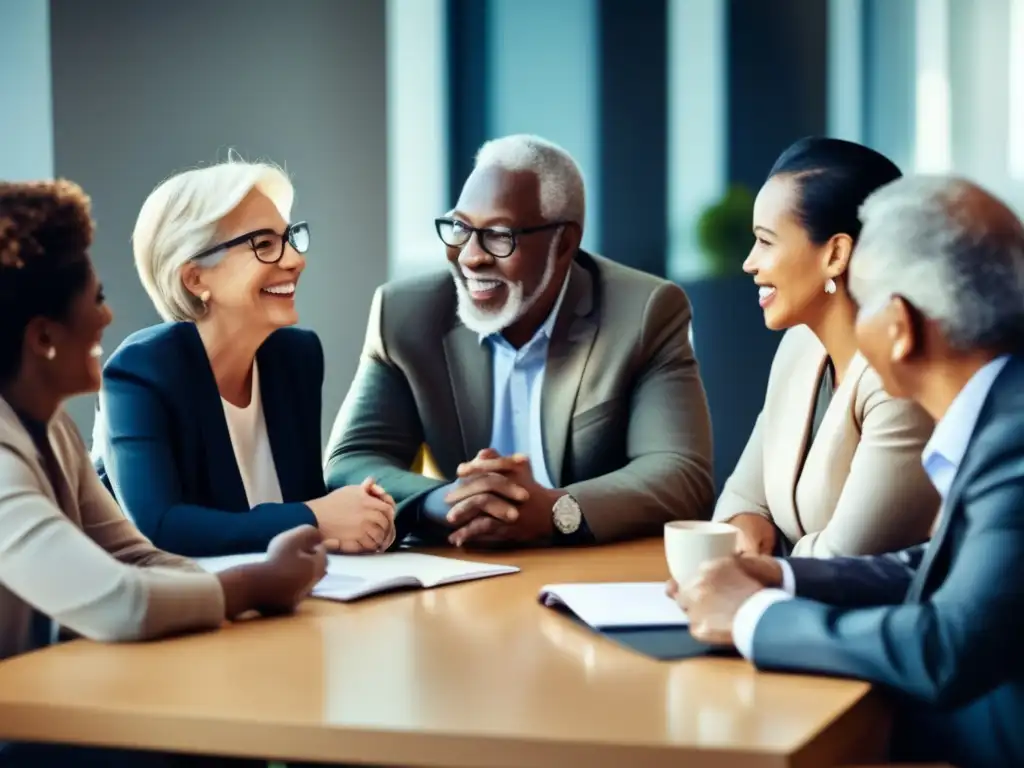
{"x": 744, "y": 623}
{"x": 788, "y": 579}
{"x": 434, "y": 505}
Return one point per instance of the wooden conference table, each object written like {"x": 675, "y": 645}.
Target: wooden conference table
{"x": 476, "y": 674}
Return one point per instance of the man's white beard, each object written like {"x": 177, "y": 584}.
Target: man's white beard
{"x": 516, "y": 304}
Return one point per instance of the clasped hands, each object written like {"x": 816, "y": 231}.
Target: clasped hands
{"x": 496, "y": 500}
{"x": 712, "y": 599}
{"x": 356, "y": 518}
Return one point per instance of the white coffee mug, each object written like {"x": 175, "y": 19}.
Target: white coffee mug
{"x": 691, "y": 543}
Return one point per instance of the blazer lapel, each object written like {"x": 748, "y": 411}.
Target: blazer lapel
{"x": 948, "y": 509}
{"x": 472, "y": 380}
{"x": 786, "y": 437}
{"x": 16, "y": 435}
{"x": 979, "y": 448}
{"x": 938, "y": 540}
{"x": 571, "y": 342}
{"x": 815, "y": 500}
{"x": 222, "y": 468}
{"x": 282, "y": 423}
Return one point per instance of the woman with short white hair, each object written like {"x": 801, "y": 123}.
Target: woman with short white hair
{"x": 209, "y": 425}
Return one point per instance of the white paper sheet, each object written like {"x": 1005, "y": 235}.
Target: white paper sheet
{"x": 352, "y": 576}
{"x": 621, "y": 604}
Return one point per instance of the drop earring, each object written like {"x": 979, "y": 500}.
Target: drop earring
{"x": 51, "y": 353}
{"x": 830, "y": 286}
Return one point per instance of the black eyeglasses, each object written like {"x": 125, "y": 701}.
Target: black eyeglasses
{"x": 267, "y": 245}
{"x": 499, "y": 243}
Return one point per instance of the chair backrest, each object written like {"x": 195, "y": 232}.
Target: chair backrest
{"x": 425, "y": 464}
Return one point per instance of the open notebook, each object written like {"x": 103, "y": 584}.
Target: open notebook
{"x": 350, "y": 577}
{"x": 624, "y": 605}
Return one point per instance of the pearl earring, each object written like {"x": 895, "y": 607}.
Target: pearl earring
{"x": 51, "y": 353}
{"x": 204, "y": 296}
{"x": 830, "y": 286}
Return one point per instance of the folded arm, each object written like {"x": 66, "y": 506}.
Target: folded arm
{"x": 145, "y": 477}
{"x": 668, "y": 441}
{"x": 90, "y": 592}
{"x": 946, "y": 651}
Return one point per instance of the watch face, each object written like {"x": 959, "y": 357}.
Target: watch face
{"x": 567, "y": 515}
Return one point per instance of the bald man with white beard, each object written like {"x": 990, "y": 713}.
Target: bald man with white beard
{"x": 556, "y": 391}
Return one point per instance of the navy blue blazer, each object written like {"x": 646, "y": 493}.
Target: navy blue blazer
{"x": 164, "y": 449}
{"x": 940, "y": 624}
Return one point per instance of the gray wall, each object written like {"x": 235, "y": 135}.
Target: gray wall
{"x": 141, "y": 90}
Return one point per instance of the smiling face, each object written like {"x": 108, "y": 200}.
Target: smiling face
{"x": 788, "y": 268}
{"x": 74, "y": 342}
{"x": 498, "y": 293}
{"x": 243, "y": 288}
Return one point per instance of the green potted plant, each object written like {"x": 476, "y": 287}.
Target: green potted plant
{"x": 733, "y": 346}
{"x": 723, "y": 231}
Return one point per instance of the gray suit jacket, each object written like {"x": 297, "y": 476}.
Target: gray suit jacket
{"x": 625, "y": 418}
{"x": 939, "y": 624}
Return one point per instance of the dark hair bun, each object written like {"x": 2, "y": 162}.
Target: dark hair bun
{"x": 835, "y": 177}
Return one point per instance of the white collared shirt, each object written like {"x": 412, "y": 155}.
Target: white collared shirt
{"x": 948, "y": 443}
{"x": 941, "y": 459}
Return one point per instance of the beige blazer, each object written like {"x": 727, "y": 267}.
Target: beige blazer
{"x": 71, "y": 554}
{"x": 862, "y": 489}
{"x": 624, "y": 417}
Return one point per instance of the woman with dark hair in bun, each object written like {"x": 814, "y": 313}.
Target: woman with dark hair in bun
{"x": 833, "y": 466}
{"x": 68, "y": 557}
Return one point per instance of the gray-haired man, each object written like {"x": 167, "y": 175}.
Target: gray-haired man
{"x": 939, "y": 276}
{"x": 557, "y": 391}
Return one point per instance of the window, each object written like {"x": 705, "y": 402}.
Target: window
{"x": 1016, "y": 128}
{"x": 932, "y": 133}
{"x": 417, "y": 134}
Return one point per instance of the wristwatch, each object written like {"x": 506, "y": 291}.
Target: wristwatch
{"x": 566, "y": 514}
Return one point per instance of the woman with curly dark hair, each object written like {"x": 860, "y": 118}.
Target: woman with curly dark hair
{"x": 69, "y": 558}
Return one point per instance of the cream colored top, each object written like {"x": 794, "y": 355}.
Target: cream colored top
{"x": 248, "y": 430}
{"x": 861, "y": 489}
{"x": 70, "y": 553}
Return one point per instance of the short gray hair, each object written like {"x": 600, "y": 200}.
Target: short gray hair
{"x": 562, "y": 195}
{"x": 180, "y": 217}
{"x": 951, "y": 249}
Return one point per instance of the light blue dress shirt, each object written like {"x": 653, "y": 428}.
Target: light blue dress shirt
{"x": 516, "y": 424}
{"x": 941, "y": 458}
{"x": 948, "y": 444}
